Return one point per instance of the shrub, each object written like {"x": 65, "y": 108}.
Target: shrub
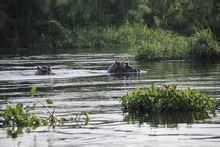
{"x": 53, "y": 36}
{"x": 167, "y": 99}
{"x": 159, "y": 44}
{"x": 203, "y": 46}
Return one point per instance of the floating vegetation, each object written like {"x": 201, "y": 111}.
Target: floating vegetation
{"x": 167, "y": 105}
{"x": 170, "y": 119}
{"x": 18, "y": 117}
{"x": 167, "y": 99}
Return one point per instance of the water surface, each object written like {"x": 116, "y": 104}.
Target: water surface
{"x": 81, "y": 84}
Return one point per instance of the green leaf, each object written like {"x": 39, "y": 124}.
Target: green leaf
{"x": 34, "y": 106}
{"x": 45, "y": 122}
{"x": 62, "y": 120}
{"x": 33, "y": 91}
{"x": 87, "y": 118}
{"x": 49, "y": 101}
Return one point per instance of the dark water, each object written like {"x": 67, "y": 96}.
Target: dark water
{"x": 81, "y": 84}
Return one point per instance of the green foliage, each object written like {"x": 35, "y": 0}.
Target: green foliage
{"x": 168, "y": 99}
{"x": 171, "y": 119}
{"x": 166, "y": 45}
{"x": 14, "y": 131}
{"x": 19, "y": 116}
{"x": 49, "y": 101}
{"x": 49, "y": 24}
{"x": 160, "y": 44}
{"x": 33, "y": 91}
{"x": 203, "y": 46}
{"x": 87, "y": 119}
{"x": 53, "y": 35}
{"x": 110, "y": 36}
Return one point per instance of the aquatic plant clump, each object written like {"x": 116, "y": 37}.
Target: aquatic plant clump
{"x": 166, "y": 99}
{"x": 17, "y": 117}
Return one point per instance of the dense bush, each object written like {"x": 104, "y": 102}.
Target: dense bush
{"x": 202, "y": 45}
{"x": 167, "y": 99}
{"x": 53, "y": 36}
{"x": 148, "y": 44}
{"x": 21, "y": 21}
{"x": 160, "y": 44}
{"x": 166, "y": 45}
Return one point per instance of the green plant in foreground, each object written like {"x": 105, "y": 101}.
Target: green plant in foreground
{"x": 19, "y": 116}
{"x": 167, "y": 99}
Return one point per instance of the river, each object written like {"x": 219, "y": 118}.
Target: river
{"x": 81, "y": 84}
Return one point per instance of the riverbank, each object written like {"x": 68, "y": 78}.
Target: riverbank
{"x": 150, "y": 44}
{"x": 145, "y": 43}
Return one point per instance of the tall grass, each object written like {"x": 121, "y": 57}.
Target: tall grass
{"x": 202, "y": 45}
{"x": 161, "y": 44}
{"x": 110, "y": 36}
{"x": 166, "y": 45}
{"x": 148, "y": 44}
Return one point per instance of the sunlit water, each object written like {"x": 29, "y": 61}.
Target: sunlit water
{"x": 81, "y": 84}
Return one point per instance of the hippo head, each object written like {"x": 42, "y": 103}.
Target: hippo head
{"x": 122, "y": 68}
{"x": 44, "y": 70}
{"x": 116, "y": 67}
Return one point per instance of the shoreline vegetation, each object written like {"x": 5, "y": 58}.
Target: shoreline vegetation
{"x": 171, "y": 29}
{"x": 146, "y": 43}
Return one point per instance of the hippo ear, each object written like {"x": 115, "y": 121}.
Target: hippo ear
{"x": 38, "y": 68}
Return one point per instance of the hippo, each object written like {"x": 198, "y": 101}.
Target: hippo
{"x": 121, "y": 68}
{"x": 44, "y": 70}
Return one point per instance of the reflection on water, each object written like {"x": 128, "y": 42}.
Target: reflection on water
{"x": 81, "y": 84}
{"x": 15, "y": 131}
{"x": 167, "y": 119}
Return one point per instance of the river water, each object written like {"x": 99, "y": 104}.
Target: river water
{"x": 81, "y": 84}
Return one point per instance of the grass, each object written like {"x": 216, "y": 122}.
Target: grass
{"x": 166, "y": 45}
{"x": 110, "y": 36}
{"x": 167, "y": 99}
{"x": 147, "y": 44}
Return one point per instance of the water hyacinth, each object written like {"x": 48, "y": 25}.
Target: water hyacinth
{"x": 167, "y": 99}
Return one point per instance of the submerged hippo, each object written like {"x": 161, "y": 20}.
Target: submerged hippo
{"x": 44, "y": 70}
{"x": 121, "y": 68}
